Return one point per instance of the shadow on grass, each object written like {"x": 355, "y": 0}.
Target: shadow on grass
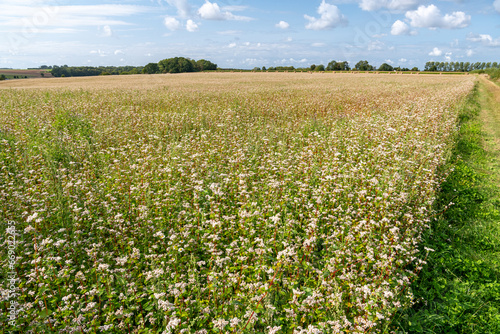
{"x": 459, "y": 289}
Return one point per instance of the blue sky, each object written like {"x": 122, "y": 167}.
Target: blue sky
{"x": 247, "y": 33}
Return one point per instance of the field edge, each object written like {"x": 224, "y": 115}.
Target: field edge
{"x": 459, "y": 290}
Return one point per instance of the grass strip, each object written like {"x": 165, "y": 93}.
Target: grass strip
{"x": 459, "y": 290}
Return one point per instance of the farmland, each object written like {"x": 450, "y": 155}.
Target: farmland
{"x": 222, "y": 202}
{"x": 11, "y": 74}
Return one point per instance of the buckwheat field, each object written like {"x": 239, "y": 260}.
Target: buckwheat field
{"x": 219, "y": 203}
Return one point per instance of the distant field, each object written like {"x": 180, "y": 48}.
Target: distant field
{"x": 221, "y": 202}
{"x": 9, "y": 74}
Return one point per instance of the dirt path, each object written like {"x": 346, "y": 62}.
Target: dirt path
{"x": 490, "y": 117}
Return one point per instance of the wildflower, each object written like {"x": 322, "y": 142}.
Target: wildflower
{"x": 220, "y": 323}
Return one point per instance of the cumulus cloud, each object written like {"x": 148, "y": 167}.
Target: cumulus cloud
{"x": 191, "y": 26}
{"x": 470, "y": 53}
{"x": 212, "y": 11}
{"x": 183, "y": 7}
{"x": 172, "y": 23}
{"x": 282, "y": 25}
{"x": 484, "y": 39}
{"x": 400, "y": 28}
{"x": 435, "y": 52}
{"x": 106, "y": 31}
{"x": 496, "y": 4}
{"x": 395, "y": 5}
{"x": 430, "y": 17}
{"x": 330, "y": 17}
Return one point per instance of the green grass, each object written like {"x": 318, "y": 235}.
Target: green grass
{"x": 459, "y": 290}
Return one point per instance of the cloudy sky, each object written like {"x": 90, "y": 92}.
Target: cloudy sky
{"x": 247, "y": 33}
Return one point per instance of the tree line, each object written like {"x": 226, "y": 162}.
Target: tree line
{"x": 436, "y": 66}
{"x": 169, "y": 65}
{"x": 334, "y": 65}
{"x": 179, "y": 65}
{"x": 183, "y": 65}
{"x": 86, "y": 71}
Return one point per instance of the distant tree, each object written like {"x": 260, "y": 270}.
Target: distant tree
{"x": 415, "y": 69}
{"x": 320, "y": 68}
{"x": 431, "y": 66}
{"x": 151, "y": 68}
{"x": 42, "y": 74}
{"x": 264, "y": 68}
{"x": 2, "y": 77}
{"x": 332, "y": 66}
{"x": 284, "y": 68}
{"x": 256, "y": 69}
{"x": 176, "y": 65}
{"x": 363, "y": 65}
{"x": 385, "y": 67}
{"x": 205, "y": 65}
{"x": 313, "y": 67}
{"x": 338, "y": 66}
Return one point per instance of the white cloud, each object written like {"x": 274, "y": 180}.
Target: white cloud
{"x": 375, "y": 46}
{"x": 212, "y": 11}
{"x": 496, "y": 4}
{"x": 282, "y": 25}
{"x": 106, "y": 31}
{"x": 182, "y": 6}
{"x": 234, "y": 8}
{"x": 400, "y": 28}
{"x": 484, "y": 39}
{"x": 403, "y": 60}
{"x": 67, "y": 16}
{"x": 191, "y": 26}
{"x": 435, "y": 52}
{"x": 288, "y": 61}
{"x": 318, "y": 45}
{"x": 331, "y": 17}
{"x": 447, "y": 56}
{"x": 395, "y": 5}
{"x": 232, "y": 45}
{"x": 172, "y": 23}
{"x": 118, "y": 52}
{"x": 100, "y": 53}
{"x": 470, "y": 53}
{"x": 430, "y": 17}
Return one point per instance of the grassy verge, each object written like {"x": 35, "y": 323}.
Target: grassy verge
{"x": 459, "y": 290}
